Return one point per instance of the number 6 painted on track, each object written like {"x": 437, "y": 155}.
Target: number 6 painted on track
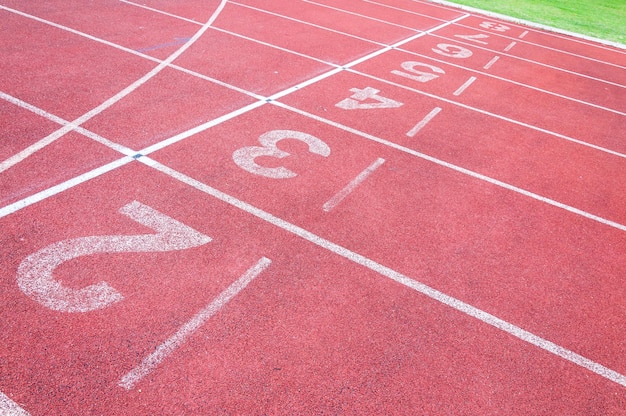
{"x": 35, "y": 273}
{"x": 244, "y": 157}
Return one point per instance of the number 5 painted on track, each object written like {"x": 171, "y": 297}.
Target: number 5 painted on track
{"x": 35, "y": 273}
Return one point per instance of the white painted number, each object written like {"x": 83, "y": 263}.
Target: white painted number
{"x": 474, "y": 38}
{"x": 417, "y": 75}
{"x": 355, "y": 102}
{"x": 452, "y": 51}
{"x": 496, "y": 27}
{"x": 245, "y": 156}
{"x": 35, "y": 273}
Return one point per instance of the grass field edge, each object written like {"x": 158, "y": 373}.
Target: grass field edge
{"x": 529, "y": 23}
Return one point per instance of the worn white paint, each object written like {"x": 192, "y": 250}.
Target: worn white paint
{"x": 35, "y": 275}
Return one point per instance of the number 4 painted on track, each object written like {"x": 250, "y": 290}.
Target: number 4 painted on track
{"x": 35, "y": 273}
{"x": 355, "y": 102}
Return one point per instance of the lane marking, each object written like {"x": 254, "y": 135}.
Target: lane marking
{"x": 465, "y": 86}
{"x": 423, "y": 122}
{"x": 404, "y": 10}
{"x": 347, "y": 190}
{"x": 408, "y": 282}
{"x": 329, "y": 63}
{"x": 457, "y": 168}
{"x": 305, "y": 23}
{"x": 478, "y": 110}
{"x": 15, "y": 159}
{"x": 524, "y": 34}
{"x": 521, "y": 84}
{"x": 9, "y": 408}
{"x": 537, "y": 63}
{"x": 35, "y": 274}
{"x": 361, "y": 15}
{"x": 164, "y": 350}
{"x": 40, "y": 112}
{"x": 523, "y": 24}
{"x": 54, "y": 190}
{"x": 508, "y": 48}
{"x": 490, "y": 63}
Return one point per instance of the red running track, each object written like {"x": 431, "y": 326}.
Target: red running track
{"x": 308, "y": 207}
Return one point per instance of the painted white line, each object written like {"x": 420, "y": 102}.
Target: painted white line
{"x": 463, "y": 87}
{"x": 112, "y": 100}
{"x": 305, "y": 22}
{"x": 171, "y": 344}
{"x": 490, "y": 63}
{"x": 152, "y": 9}
{"x": 510, "y": 46}
{"x": 578, "y": 74}
{"x": 40, "y": 112}
{"x": 434, "y": 294}
{"x": 40, "y": 196}
{"x": 478, "y": 110}
{"x": 524, "y": 34}
{"x": 419, "y": 126}
{"x": 526, "y": 23}
{"x": 460, "y": 169}
{"x": 202, "y": 127}
{"x": 330, "y": 63}
{"x": 361, "y": 15}
{"x": 347, "y": 190}
{"x": 9, "y": 408}
{"x": 404, "y": 10}
{"x": 521, "y": 84}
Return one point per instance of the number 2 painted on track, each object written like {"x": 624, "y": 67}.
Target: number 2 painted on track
{"x": 245, "y": 157}
{"x": 35, "y": 273}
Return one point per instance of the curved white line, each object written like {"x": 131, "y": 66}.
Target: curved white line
{"x": 17, "y": 158}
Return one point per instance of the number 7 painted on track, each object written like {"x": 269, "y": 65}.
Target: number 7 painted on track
{"x": 35, "y": 273}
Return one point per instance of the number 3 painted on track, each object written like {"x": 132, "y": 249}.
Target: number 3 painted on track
{"x": 35, "y": 273}
{"x": 244, "y": 157}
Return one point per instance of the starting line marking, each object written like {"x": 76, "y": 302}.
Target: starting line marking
{"x": 341, "y": 195}
{"x": 428, "y": 291}
{"x": 465, "y": 86}
{"x": 424, "y": 122}
{"x": 508, "y": 48}
{"x": 171, "y": 344}
{"x": 490, "y": 63}
{"x": 9, "y": 408}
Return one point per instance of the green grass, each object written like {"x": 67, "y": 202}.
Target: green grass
{"x": 604, "y": 19}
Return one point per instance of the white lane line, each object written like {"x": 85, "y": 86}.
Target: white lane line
{"x": 152, "y": 9}
{"x": 490, "y": 63}
{"x": 87, "y": 133}
{"x": 362, "y": 15}
{"x": 524, "y": 34}
{"x": 456, "y": 168}
{"x": 40, "y": 196}
{"x": 305, "y": 22}
{"x": 578, "y": 74}
{"x": 112, "y": 100}
{"x": 202, "y": 127}
{"x": 487, "y": 113}
{"x": 523, "y": 24}
{"x": 347, "y": 190}
{"x": 9, "y": 408}
{"x": 521, "y": 84}
{"x": 419, "y": 126}
{"x": 254, "y": 95}
{"x": 510, "y": 46}
{"x": 404, "y": 10}
{"x": 465, "y": 86}
{"x": 16, "y": 206}
{"x": 164, "y": 350}
{"x": 432, "y": 293}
